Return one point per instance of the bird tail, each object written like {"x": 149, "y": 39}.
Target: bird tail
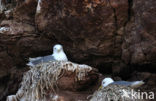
{"x": 30, "y": 64}
{"x": 31, "y": 60}
{"x": 137, "y": 84}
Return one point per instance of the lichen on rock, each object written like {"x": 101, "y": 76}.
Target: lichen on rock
{"x": 40, "y": 83}
{"x": 2, "y": 7}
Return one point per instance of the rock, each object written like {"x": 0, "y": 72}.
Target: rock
{"x": 11, "y": 80}
{"x": 67, "y": 82}
{"x": 41, "y": 82}
{"x": 2, "y": 7}
{"x": 15, "y": 49}
{"x": 139, "y": 46}
{"x": 86, "y": 28}
{"x": 13, "y": 27}
{"x": 25, "y": 11}
{"x": 116, "y": 36}
{"x": 9, "y": 14}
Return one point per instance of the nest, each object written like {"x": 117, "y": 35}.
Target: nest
{"x": 114, "y": 93}
{"x": 40, "y": 82}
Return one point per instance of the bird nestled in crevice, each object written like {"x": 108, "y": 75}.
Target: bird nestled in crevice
{"x": 110, "y": 81}
{"x": 58, "y": 55}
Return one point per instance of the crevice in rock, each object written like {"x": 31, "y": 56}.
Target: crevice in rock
{"x": 130, "y": 4}
{"x": 129, "y": 16}
{"x": 129, "y": 12}
{"x": 3, "y": 81}
{"x": 148, "y": 67}
{"x": 115, "y": 17}
{"x": 144, "y": 53}
{"x": 115, "y": 34}
{"x": 115, "y": 20}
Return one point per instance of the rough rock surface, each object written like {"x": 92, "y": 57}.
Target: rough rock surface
{"x": 88, "y": 29}
{"x": 139, "y": 44}
{"x": 45, "y": 81}
{"x": 116, "y": 36}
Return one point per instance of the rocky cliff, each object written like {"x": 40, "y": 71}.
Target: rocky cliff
{"x": 115, "y": 36}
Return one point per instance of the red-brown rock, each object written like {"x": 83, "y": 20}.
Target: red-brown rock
{"x": 139, "y": 46}
{"x": 86, "y": 28}
{"x": 113, "y": 35}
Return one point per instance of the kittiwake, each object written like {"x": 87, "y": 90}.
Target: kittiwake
{"x": 133, "y": 84}
{"x": 58, "y": 55}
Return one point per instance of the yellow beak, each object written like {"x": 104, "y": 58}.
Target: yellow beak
{"x": 58, "y": 50}
{"x": 100, "y": 87}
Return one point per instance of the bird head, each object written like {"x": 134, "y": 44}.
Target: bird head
{"x": 57, "y": 48}
{"x": 106, "y": 82}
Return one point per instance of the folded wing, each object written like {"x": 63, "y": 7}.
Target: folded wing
{"x": 133, "y": 84}
{"x": 34, "y": 61}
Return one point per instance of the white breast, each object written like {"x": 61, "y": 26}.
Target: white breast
{"x": 60, "y": 56}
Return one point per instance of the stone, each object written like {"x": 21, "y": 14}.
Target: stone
{"x": 59, "y": 78}
{"x": 115, "y": 36}
{"x": 139, "y": 45}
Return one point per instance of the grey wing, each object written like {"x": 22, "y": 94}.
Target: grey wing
{"x": 32, "y": 59}
{"x": 43, "y": 59}
{"x": 124, "y": 83}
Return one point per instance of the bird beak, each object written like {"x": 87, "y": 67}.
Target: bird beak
{"x": 59, "y": 50}
{"x": 100, "y": 87}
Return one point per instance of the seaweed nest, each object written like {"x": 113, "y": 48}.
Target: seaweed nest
{"x": 114, "y": 93}
{"x": 40, "y": 82}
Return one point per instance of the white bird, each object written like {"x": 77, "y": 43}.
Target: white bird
{"x": 58, "y": 55}
{"x": 133, "y": 84}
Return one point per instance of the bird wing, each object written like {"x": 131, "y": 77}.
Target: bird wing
{"x": 44, "y": 59}
{"x": 32, "y": 59}
{"x": 133, "y": 84}
{"x": 124, "y": 83}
